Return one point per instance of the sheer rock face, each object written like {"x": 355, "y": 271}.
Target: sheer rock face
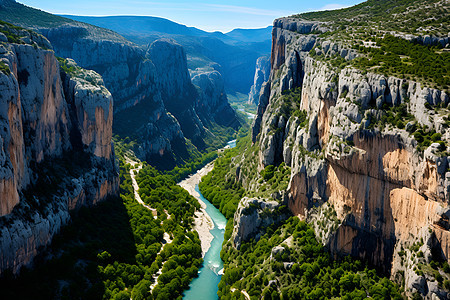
{"x": 212, "y": 103}
{"x": 157, "y": 78}
{"x": 174, "y": 84}
{"x": 250, "y": 221}
{"x": 387, "y": 195}
{"x": 262, "y": 73}
{"x": 94, "y": 106}
{"x": 45, "y": 114}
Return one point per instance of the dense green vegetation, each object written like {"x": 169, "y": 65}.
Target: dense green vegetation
{"x": 14, "y": 12}
{"x": 183, "y": 171}
{"x": 218, "y": 135}
{"x": 162, "y": 193}
{"x": 426, "y": 17}
{"x": 221, "y": 190}
{"x": 398, "y": 57}
{"x": 300, "y": 269}
{"x": 113, "y": 250}
{"x": 376, "y": 21}
{"x": 303, "y": 269}
{"x": 393, "y": 56}
{"x": 11, "y": 32}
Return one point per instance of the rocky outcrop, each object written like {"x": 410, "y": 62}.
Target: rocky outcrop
{"x": 212, "y": 103}
{"x": 262, "y": 72}
{"x": 55, "y": 146}
{"x": 388, "y": 196}
{"x": 252, "y": 217}
{"x": 155, "y": 80}
{"x": 150, "y": 86}
{"x": 93, "y": 105}
{"x": 175, "y": 85}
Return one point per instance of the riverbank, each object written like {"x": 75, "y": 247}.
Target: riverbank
{"x": 203, "y": 223}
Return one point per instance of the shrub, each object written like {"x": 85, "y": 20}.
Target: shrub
{"x": 268, "y": 172}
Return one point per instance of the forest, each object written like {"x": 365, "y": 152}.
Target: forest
{"x": 399, "y": 57}
{"x": 300, "y": 269}
{"x": 289, "y": 263}
{"x": 114, "y": 249}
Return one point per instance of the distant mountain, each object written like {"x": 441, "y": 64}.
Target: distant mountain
{"x": 139, "y": 25}
{"x": 154, "y": 99}
{"x": 251, "y": 35}
{"x": 233, "y": 54}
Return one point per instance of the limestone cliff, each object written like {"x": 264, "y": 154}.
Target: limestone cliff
{"x": 262, "y": 72}
{"x": 212, "y": 103}
{"x": 389, "y": 191}
{"x": 154, "y": 98}
{"x": 55, "y": 145}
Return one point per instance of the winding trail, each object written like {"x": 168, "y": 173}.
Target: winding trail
{"x": 136, "y": 166}
{"x": 246, "y": 295}
{"x": 133, "y": 168}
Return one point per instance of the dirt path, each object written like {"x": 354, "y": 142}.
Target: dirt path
{"x": 136, "y": 166}
{"x": 155, "y": 276}
{"x": 246, "y": 295}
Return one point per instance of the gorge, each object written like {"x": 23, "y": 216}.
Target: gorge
{"x": 115, "y": 183}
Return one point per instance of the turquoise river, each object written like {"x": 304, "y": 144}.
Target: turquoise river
{"x": 205, "y": 286}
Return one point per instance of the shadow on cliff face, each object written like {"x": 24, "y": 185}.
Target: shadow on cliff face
{"x": 97, "y": 238}
{"x": 361, "y": 189}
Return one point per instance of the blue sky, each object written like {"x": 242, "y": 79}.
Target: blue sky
{"x": 208, "y": 15}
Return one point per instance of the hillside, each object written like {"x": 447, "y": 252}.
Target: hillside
{"x": 352, "y": 135}
{"x": 233, "y": 54}
{"x": 429, "y": 17}
{"x": 154, "y": 106}
{"x": 251, "y": 35}
{"x": 28, "y": 17}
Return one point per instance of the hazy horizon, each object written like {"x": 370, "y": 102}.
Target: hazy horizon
{"x": 211, "y": 16}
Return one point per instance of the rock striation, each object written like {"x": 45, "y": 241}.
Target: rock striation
{"x": 212, "y": 103}
{"x": 389, "y": 196}
{"x": 154, "y": 98}
{"x": 262, "y": 72}
{"x": 55, "y": 145}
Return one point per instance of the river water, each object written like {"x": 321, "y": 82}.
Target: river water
{"x": 205, "y": 286}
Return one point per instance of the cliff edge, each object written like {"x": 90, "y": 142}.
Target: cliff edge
{"x": 55, "y": 146}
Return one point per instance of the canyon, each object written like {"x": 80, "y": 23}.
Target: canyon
{"x": 51, "y": 120}
{"x": 386, "y": 194}
{"x": 347, "y": 149}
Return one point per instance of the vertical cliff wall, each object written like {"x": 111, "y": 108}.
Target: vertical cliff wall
{"x": 55, "y": 145}
{"x": 262, "y": 73}
{"x": 212, "y": 103}
{"x": 390, "y": 194}
{"x": 154, "y": 99}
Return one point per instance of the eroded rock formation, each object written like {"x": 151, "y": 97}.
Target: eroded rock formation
{"x": 56, "y": 151}
{"x": 390, "y": 196}
{"x": 212, "y": 103}
{"x": 262, "y": 72}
